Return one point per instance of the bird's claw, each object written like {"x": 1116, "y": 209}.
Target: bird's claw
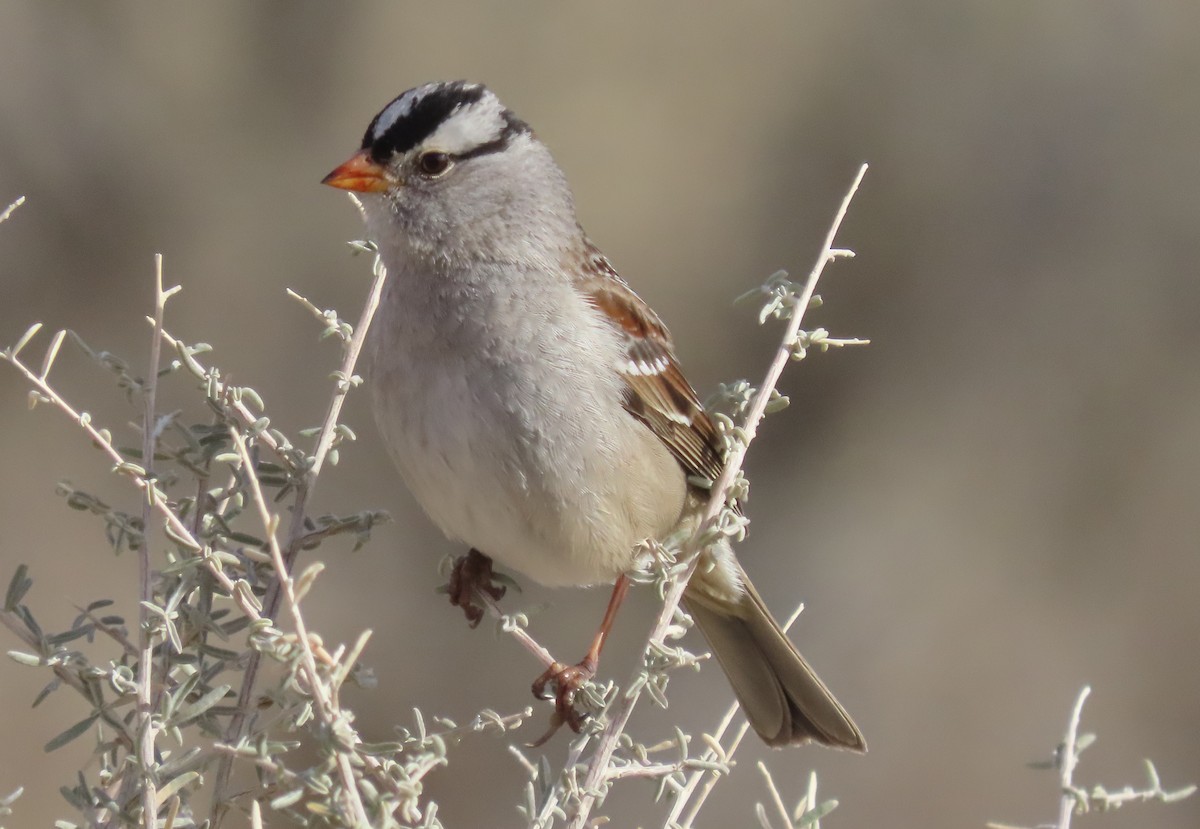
{"x": 473, "y": 572}
{"x": 567, "y": 679}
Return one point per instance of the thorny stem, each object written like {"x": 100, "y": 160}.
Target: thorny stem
{"x": 185, "y": 536}
{"x": 144, "y": 736}
{"x": 625, "y": 703}
{"x": 516, "y": 631}
{"x": 810, "y": 798}
{"x": 238, "y": 591}
{"x": 1068, "y": 761}
{"x": 316, "y": 687}
{"x": 146, "y": 730}
{"x": 710, "y": 778}
{"x": 238, "y": 721}
{"x": 239, "y": 407}
{"x": 178, "y": 529}
{"x": 776, "y": 798}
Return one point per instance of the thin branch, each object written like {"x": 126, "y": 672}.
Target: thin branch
{"x": 810, "y": 799}
{"x": 516, "y": 630}
{"x": 145, "y": 686}
{"x": 551, "y": 808}
{"x": 710, "y": 782}
{"x": 316, "y": 687}
{"x": 776, "y": 798}
{"x": 219, "y": 390}
{"x": 8, "y": 211}
{"x": 111, "y": 632}
{"x": 652, "y": 770}
{"x": 711, "y": 778}
{"x": 239, "y": 720}
{"x": 238, "y": 591}
{"x": 1068, "y": 761}
{"x": 624, "y": 705}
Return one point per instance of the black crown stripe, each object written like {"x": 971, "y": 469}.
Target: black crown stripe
{"x": 421, "y": 121}
{"x": 427, "y": 115}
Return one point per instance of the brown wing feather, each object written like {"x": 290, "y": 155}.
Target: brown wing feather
{"x": 658, "y": 394}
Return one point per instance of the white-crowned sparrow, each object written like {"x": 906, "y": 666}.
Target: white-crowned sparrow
{"x": 532, "y": 401}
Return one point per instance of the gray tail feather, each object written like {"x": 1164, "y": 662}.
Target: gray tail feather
{"x": 784, "y": 699}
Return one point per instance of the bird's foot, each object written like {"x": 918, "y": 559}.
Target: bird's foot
{"x": 473, "y": 572}
{"x": 566, "y": 680}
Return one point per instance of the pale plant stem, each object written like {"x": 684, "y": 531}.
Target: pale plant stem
{"x": 8, "y": 211}
{"x": 711, "y": 781}
{"x": 624, "y": 705}
{"x": 545, "y": 817}
{"x": 810, "y": 798}
{"x": 143, "y": 479}
{"x": 649, "y": 770}
{"x": 145, "y": 692}
{"x": 776, "y": 799}
{"x": 328, "y": 427}
{"x": 1070, "y": 757}
{"x": 324, "y": 708}
{"x": 711, "y": 778}
{"x": 238, "y": 591}
{"x": 178, "y": 529}
{"x": 184, "y": 535}
{"x": 241, "y": 409}
{"x": 242, "y": 597}
{"x": 517, "y": 631}
{"x": 239, "y": 720}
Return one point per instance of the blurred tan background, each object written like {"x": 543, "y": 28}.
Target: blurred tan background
{"x": 990, "y": 506}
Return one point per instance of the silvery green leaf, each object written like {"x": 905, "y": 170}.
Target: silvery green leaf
{"x": 17, "y": 587}
{"x": 813, "y": 815}
{"x": 29, "y": 334}
{"x": 71, "y": 733}
{"x": 25, "y": 658}
{"x": 165, "y": 792}
{"x": 195, "y": 709}
{"x": 287, "y": 799}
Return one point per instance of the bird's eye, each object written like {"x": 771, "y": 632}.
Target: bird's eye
{"x": 434, "y": 164}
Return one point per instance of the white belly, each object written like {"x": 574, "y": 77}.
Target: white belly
{"x": 531, "y": 460}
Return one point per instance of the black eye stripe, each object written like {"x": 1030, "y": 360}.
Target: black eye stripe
{"x": 513, "y": 126}
{"x": 484, "y": 149}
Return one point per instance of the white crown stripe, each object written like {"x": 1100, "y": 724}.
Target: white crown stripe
{"x": 469, "y": 127}
{"x": 396, "y": 110}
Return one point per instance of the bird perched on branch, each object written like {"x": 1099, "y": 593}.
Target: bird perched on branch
{"x": 534, "y": 404}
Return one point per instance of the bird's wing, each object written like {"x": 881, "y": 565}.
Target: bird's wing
{"x": 657, "y": 393}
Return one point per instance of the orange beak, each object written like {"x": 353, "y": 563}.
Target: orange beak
{"x": 360, "y": 174}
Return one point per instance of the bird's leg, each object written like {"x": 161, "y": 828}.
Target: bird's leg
{"x": 568, "y": 678}
{"x": 472, "y": 572}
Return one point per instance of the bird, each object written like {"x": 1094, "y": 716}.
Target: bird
{"x": 534, "y": 404}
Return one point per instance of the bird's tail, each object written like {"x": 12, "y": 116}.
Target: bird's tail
{"x": 784, "y": 700}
